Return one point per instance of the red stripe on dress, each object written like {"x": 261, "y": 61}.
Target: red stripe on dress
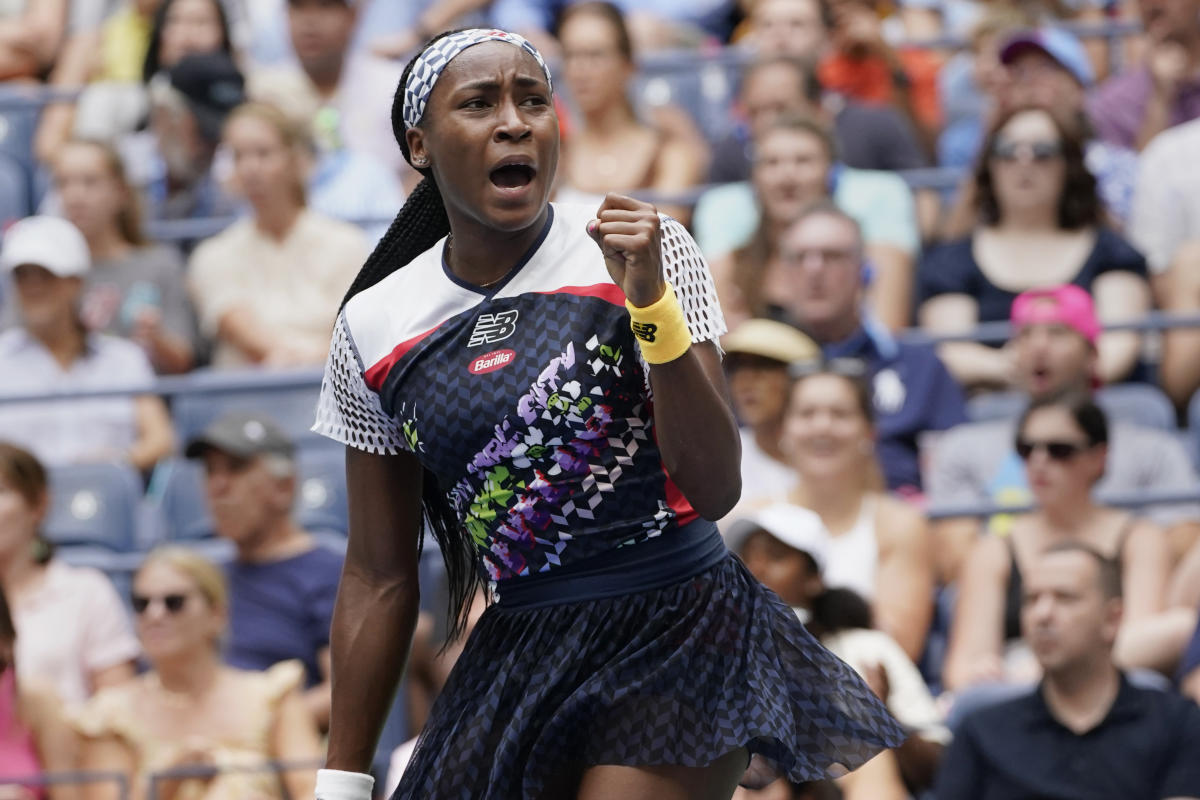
{"x": 377, "y": 373}
{"x": 605, "y": 291}
{"x": 684, "y": 513}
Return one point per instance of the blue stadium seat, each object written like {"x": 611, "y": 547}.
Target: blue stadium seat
{"x": 320, "y": 498}
{"x": 1193, "y": 428}
{"x": 995, "y": 405}
{"x": 292, "y": 409}
{"x": 94, "y": 506}
{"x": 1135, "y": 403}
{"x": 1138, "y": 404}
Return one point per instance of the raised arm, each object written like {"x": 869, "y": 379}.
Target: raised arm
{"x": 695, "y": 428}
{"x": 977, "y": 635}
{"x": 377, "y": 602}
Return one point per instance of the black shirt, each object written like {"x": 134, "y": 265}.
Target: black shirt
{"x": 952, "y": 269}
{"x": 1146, "y": 748}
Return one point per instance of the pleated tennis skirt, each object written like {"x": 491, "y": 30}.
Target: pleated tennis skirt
{"x": 589, "y": 667}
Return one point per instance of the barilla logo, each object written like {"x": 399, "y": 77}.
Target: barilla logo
{"x": 490, "y": 362}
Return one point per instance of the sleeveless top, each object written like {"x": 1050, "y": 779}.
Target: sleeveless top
{"x": 1014, "y": 593}
{"x": 111, "y": 712}
{"x": 853, "y": 559}
{"x": 528, "y": 400}
{"x": 18, "y": 751}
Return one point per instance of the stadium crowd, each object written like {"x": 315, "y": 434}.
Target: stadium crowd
{"x": 1000, "y": 532}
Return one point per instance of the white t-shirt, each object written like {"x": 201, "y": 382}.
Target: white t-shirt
{"x": 75, "y": 430}
{"x": 71, "y": 625}
{"x": 763, "y": 478}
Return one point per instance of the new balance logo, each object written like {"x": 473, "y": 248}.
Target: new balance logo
{"x": 644, "y": 330}
{"x": 490, "y": 328}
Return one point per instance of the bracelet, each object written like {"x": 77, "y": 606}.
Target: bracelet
{"x": 660, "y": 329}
{"x": 336, "y": 784}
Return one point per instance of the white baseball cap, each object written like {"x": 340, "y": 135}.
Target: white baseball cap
{"x": 796, "y": 526}
{"x": 49, "y": 242}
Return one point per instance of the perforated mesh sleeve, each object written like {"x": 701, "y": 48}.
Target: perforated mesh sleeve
{"x": 686, "y": 270}
{"x": 348, "y": 411}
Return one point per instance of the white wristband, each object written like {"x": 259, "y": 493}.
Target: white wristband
{"x": 335, "y": 784}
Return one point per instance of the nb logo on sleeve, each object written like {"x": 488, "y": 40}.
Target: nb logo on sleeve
{"x": 490, "y": 328}
{"x": 644, "y": 330}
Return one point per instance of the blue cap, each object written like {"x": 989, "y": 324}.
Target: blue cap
{"x": 1059, "y": 45}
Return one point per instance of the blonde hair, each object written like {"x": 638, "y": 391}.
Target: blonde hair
{"x": 207, "y": 576}
{"x": 294, "y": 135}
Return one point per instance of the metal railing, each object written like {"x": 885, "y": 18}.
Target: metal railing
{"x": 72, "y": 778}
{"x": 1126, "y": 499}
{"x": 156, "y": 779}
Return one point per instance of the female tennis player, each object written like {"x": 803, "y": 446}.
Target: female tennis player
{"x": 541, "y": 385}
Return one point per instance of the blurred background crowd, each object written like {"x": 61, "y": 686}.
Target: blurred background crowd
{"x": 957, "y": 243}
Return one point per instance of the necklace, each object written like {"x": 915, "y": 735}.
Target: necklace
{"x": 450, "y": 250}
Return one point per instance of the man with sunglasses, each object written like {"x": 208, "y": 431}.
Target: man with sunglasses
{"x": 1053, "y": 347}
{"x": 822, "y": 254}
{"x": 282, "y": 584}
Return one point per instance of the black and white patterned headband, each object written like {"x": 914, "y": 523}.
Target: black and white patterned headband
{"x": 429, "y": 65}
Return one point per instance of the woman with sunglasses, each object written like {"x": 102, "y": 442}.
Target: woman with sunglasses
{"x": 880, "y": 546}
{"x": 190, "y": 710}
{"x": 543, "y": 382}
{"x": 1039, "y": 223}
{"x": 1063, "y": 443}
{"x": 35, "y": 737}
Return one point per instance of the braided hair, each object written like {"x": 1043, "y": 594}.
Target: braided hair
{"x": 418, "y": 226}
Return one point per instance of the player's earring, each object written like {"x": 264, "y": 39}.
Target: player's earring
{"x": 420, "y": 162}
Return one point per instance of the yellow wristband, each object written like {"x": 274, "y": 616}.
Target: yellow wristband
{"x": 660, "y": 329}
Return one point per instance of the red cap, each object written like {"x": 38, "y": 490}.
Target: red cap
{"x": 1059, "y": 305}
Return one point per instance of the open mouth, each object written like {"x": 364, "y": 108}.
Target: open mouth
{"x": 512, "y": 176}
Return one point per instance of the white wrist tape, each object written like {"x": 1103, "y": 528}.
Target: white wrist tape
{"x": 335, "y": 784}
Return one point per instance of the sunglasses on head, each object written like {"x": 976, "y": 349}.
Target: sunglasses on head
{"x": 842, "y": 366}
{"x": 1038, "y": 151}
{"x": 1058, "y": 451}
{"x": 173, "y": 603}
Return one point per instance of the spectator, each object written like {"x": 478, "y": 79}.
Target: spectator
{"x": 31, "y": 34}
{"x": 135, "y": 289}
{"x": 266, "y": 288}
{"x": 757, "y": 355}
{"x": 786, "y": 548}
{"x": 1165, "y": 224}
{"x": 172, "y": 162}
{"x": 35, "y": 738}
{"x": 794, "y": 167}
{"x": 879, "y": 546}
{"x": 824, "y": 278}
{"x": 610, "y": 149}
{"x": 795, "y": 29}
{"x": 349, "y": 83}
{"x": 47, "y": 259}
{"x": 1054, "y": 353}
{"x": 1086, "y": 731}
{"x": 282, "y": 584}
{"x": 1136, "y": 105}
{"x": 115, "y": 61}
{"x": 342, "y": 183}
{"x": 190, "y": 709}
{"x": 1064, "y": 445}
{"x": 973, "y": 83}
{"x": 1038, "y": 225}
{"x": 862, "y": 65}
{"x": 867, "y": 137}
{"x": 74, "y": 635}
{"x": 1048, "y": 68}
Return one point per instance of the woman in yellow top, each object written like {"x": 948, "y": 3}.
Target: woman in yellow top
{"x": 190, "y": 710}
